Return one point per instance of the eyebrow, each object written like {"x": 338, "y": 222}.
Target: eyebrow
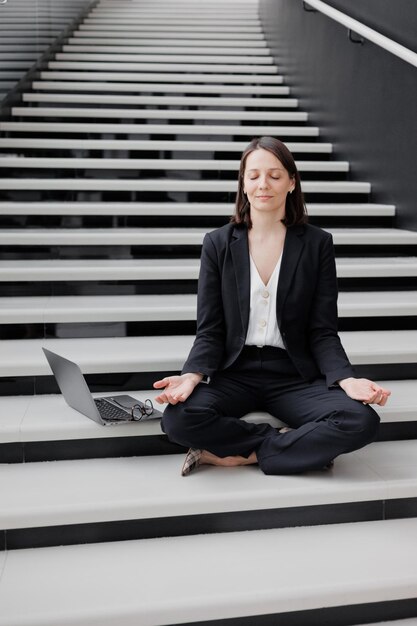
{"x": 271, "y": 169}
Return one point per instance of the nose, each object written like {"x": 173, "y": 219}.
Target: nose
{"x": 263, "y": 183}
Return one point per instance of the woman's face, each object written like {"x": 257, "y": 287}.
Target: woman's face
{"x": 266, "y": 182}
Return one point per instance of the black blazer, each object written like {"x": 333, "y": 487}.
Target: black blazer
{"x": 306, "y": 303}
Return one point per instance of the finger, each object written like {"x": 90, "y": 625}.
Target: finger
{"x": 160, "y": 399}
{"x": 161, "y": 383}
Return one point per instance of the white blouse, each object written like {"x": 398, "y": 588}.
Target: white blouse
{"x": 263, "y": 326}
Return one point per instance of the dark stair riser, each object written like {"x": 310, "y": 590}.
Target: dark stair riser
{"x": 209, "y": 523}
{"x": 148, "y": 287}
{"x": 28, "y": 330}
{"x": 128, "y": 381}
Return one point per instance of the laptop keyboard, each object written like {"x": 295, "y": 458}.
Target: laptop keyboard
{"x": 110, "y": 412}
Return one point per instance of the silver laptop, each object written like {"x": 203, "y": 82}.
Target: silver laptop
{"x": 108, "y": 410}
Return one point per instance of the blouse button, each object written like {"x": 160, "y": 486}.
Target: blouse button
{"x": 265, "y": 294}
{"x": 262, "y": 323}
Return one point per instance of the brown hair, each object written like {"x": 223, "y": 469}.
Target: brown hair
{"x": 295, "y": 209}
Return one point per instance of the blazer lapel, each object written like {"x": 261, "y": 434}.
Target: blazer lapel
{"x": 239, "y": 250}
{"x": 290, "y": 256}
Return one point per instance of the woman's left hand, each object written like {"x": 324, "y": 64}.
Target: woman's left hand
{"x": 365, "y": 390}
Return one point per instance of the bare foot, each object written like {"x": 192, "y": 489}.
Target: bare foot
{"x": 227, "y": 461}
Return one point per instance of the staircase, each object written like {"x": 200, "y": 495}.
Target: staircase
{"x": 113, "y": 166}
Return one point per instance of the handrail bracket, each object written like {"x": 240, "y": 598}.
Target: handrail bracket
{"x": 359, "y": 40}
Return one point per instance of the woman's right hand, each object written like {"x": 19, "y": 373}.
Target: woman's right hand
{"x": 177, "y": 388}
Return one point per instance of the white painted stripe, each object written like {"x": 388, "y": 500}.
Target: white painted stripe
{"x": 185, "y": 51}
{"x": 170, "y": 100}
{"x": 171, "y": 307}
{"x": 177, "y": 29}
{"x": 262, "y": 71}
{"x": 177, "y": 269}
{"x": 179, "y": 236}
{"x": 159, "y": 164}
{"x": 143, "y": 34}
{"x": 155, "y": 77}
{"x": 136, "y": 129}
{"x": 169, "y": 185}
{"x": 24, "y": 357}
{"x": 256, "y": 45}
{"x": 179, "y": 208}
{"x": 192, "y": 57}
{"x": 254, "y": 116}
{"x": 237, "y": 24}
{"x": 153, "y": 144}
{"x": 102, "y": 87}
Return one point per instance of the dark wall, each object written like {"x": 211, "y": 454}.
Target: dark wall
{"x": 363, "y": 98}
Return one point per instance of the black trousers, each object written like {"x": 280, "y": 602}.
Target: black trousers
{"x": 326, "y": 422}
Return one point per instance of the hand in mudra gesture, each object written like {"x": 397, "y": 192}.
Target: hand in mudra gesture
{"x": 176, "y": 388}
{"x": 365, "y": 390}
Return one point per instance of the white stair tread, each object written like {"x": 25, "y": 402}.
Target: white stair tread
{"x": 70, "y": 309}
{"x": 166, "y": 184}
{"x": 152, "y": 144}
{"x": 156, "y": 164}
{"x": 265, "y": 116}
{"x": 238, "y": 71}
{"x": 182, "y": 18}
{"x": 155, "y": 77}
{"x": 178, "y": 208}
{"x": 170, "y": 57}
{"x": 49, "y": 418}
{"x": 132, "y": 42}
{"x": 177, "y": 269}
{"x": 71, "y": 84}
{"x": 178, "y": 236}
{"x": 99, "y": 490}
{"x": 24, "y": 357}
{"x": 162, "y": 100}
{"x": 199, "y": 50}
{"x": 38, "y": 587}
{"x": 177, "y": 29}
{"x": 136, "y": 129}
{"x": 142, "y": 34}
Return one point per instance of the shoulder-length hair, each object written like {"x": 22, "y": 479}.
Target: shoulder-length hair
{"x": 295, "y": 209}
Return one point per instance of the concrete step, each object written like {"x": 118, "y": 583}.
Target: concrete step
{"x": 215, "y": 72}
{"x": 60, "y": 82}
{"x": 168, "y": 77}
{"x": 111, "y": 39}
{"x": 88, "y": 492}
{"x": 177, "y": 21}
{"x": 152, "y": 144}
{"x": 159, "y": 114}
{"x": 177, "y": 29}
{"x": 171, "y": 57}
{"x": 314, "y": 209}
{"x": 373, "y": 575}
{"x": 39, "y": 270}
{"x": 42, "y": 418}
{"x": 179, "y": 236}
{"x": 24, "y": 357}
{"x": 153, "y": 164}
{"x": 166, "y": 184}
{"x": 182, "y": 236}
{"x": 156, "y": 51}
{"x": 70, "y": 98}
{"x": 158, "y": 129}
{"x": 170, "y": 307}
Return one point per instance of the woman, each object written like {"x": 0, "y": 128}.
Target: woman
{"x": 267, "y": 337}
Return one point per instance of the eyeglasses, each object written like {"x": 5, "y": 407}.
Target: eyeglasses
{"x": 138, "y": 411}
